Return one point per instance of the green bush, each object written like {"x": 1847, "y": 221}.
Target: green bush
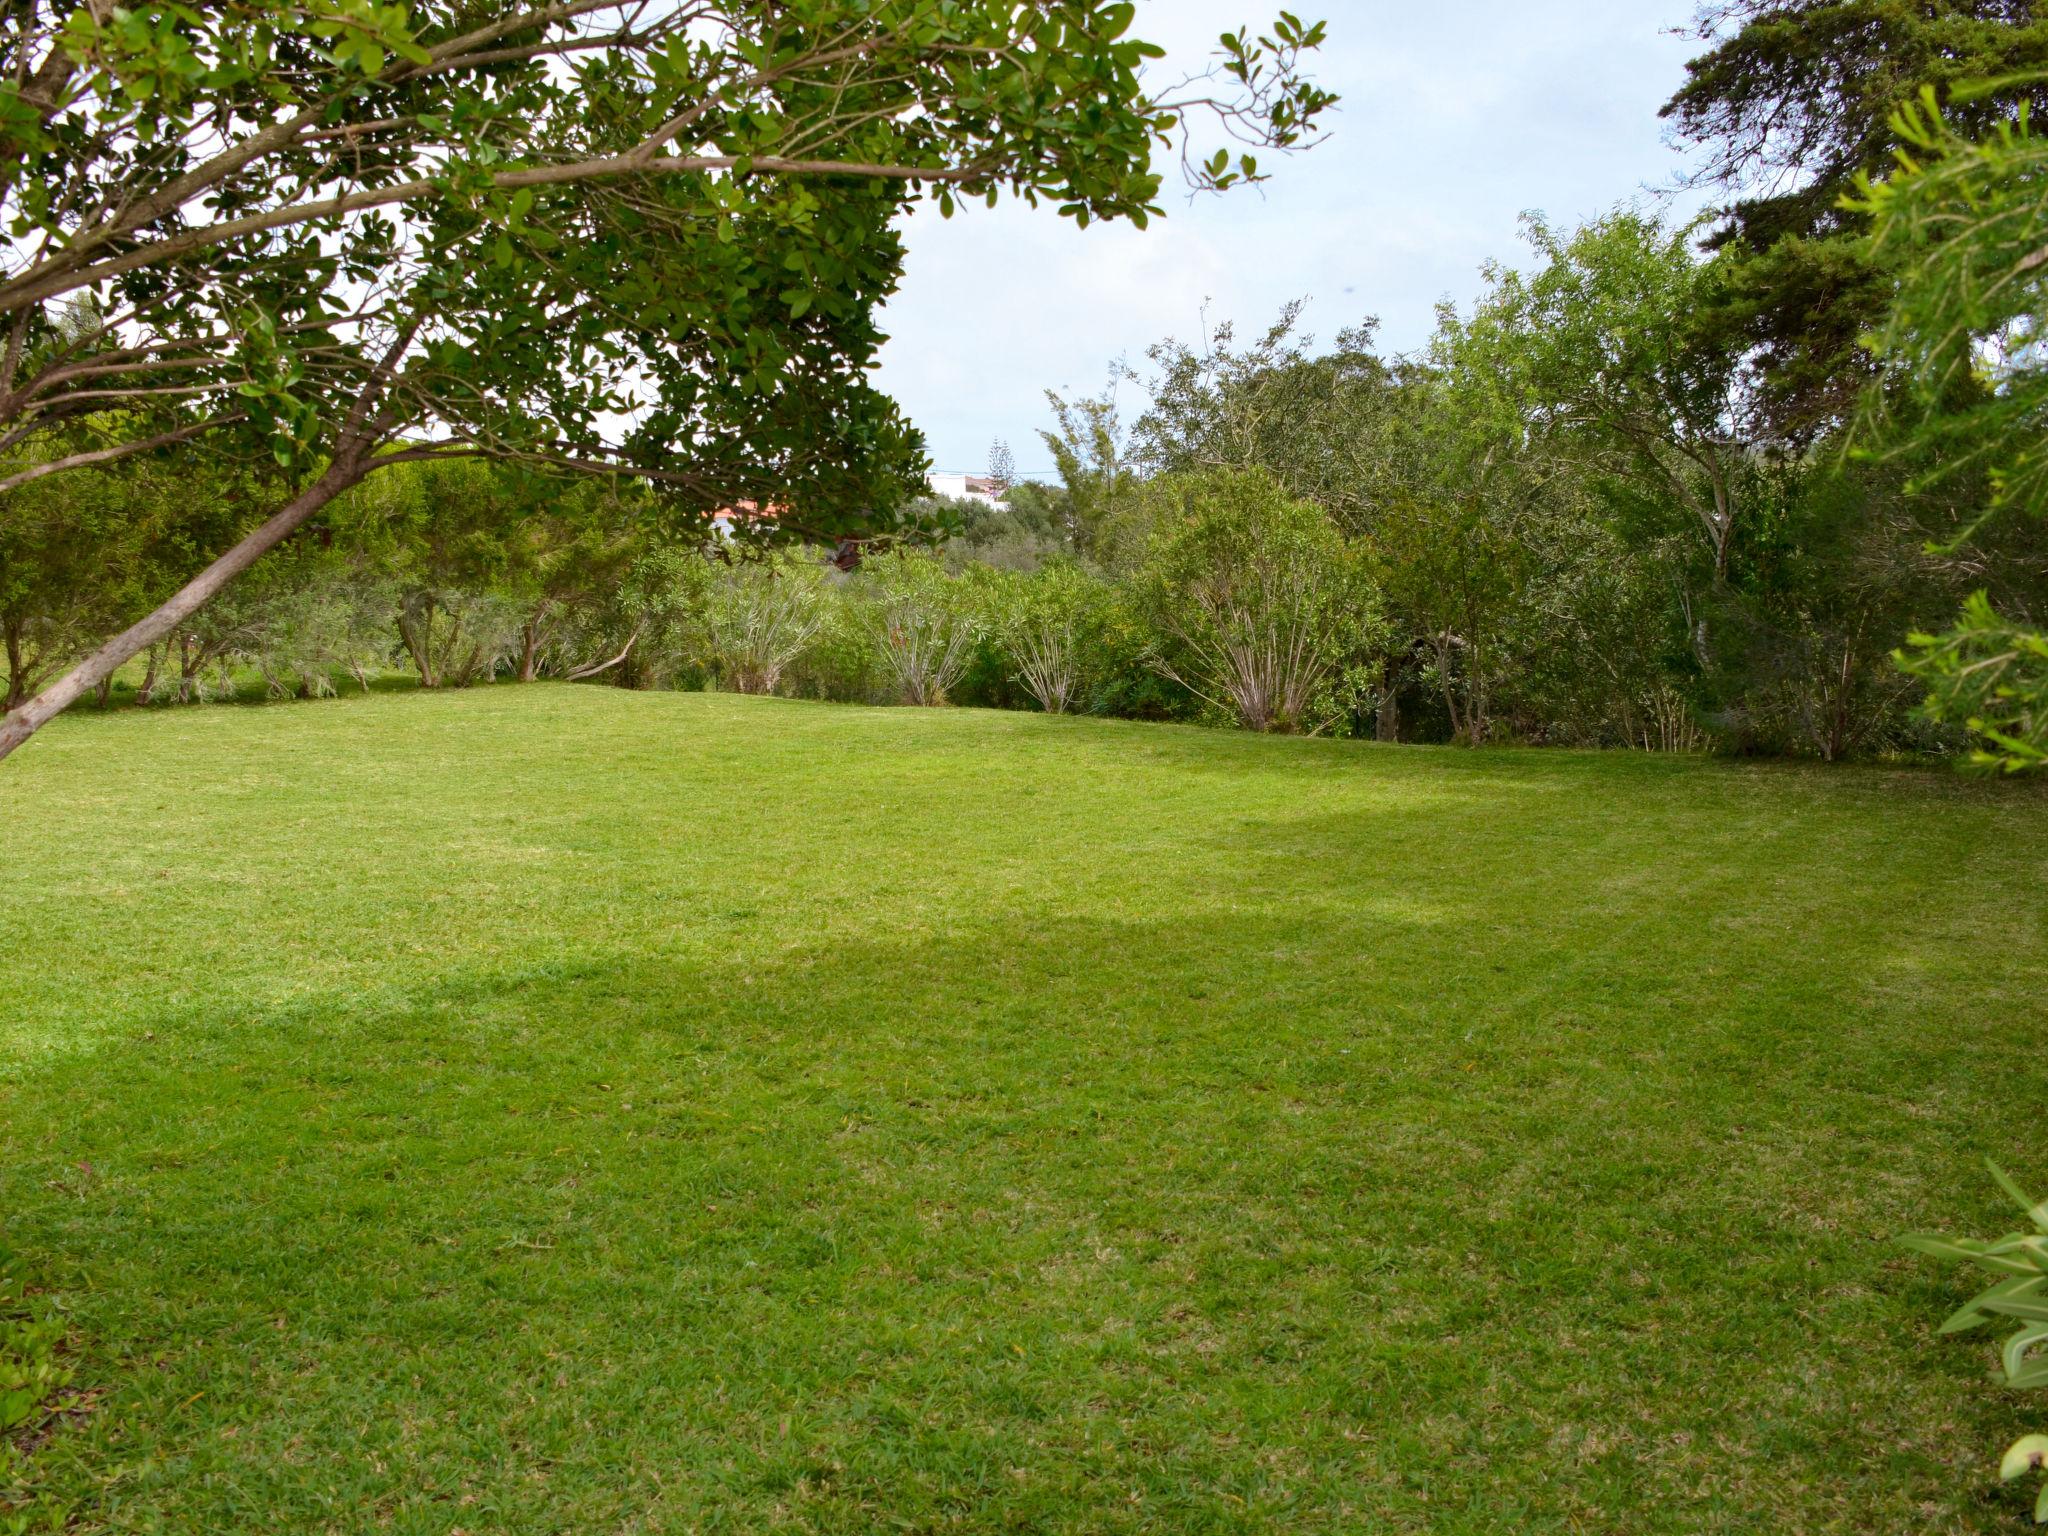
{"x": 842, "y": 664}
{"x": 1046, "y": 630}
{"x": 2020, "y": 1296}
{"x": 1257, "y": 601}
{"x": 924, "y": 623}
{"x": 760, "y": 616}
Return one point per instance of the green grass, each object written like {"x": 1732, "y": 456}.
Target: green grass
{"x": 566, "y": 1110}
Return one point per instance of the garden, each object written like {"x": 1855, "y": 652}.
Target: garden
{"x": 1443, "y": 937}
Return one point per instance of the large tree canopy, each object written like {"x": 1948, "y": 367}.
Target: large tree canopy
{"x": 166, "y": 161}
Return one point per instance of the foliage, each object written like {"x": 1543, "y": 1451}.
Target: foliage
{"x": 1990, "y": 676}
{"x": 653, "y": 623}
{"x": 313, "y": 613}
{"x": 845, "y": 661}
{"x": 1963, "y": 223}
{"x": 1032, "y": 524}
{"x": 1049, "y": 628}
{"x": 1257, "y": 598}
{"x": 922, "y": 622}
{"x": 1454, "y": 574}
{"x": 2020, "y": 1296}
{"x": 1092, "y": 452}
{"x": 1603, "y": 343}
{"x": 1793, "y": 101}
{"x": 84, "y": 552}
{"x": 760, "y": 616}
{"x": 1330, "y": 428}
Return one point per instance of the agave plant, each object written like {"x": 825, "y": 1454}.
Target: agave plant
{"x": 2021, "y": 1296}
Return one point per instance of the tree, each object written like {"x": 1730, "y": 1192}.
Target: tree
{"x": 1328, "y": 427}
{"x": 494, "y": 565}
{"x": 1605, "y": 343}
{"x": 1257, "y": 598}
{"x": 567, "y": 557}
{"x": 1092, "y": 454}
{"x": 1452, "y": 573}
{"x": 62, "y": 566}
{"x": 1963, "y": 222}
{"x": 477, "y": 357}
{"x": 83, "y": 553}
{"x": 1793, "y": 100}
{"x": 546, "y": 222}
{"x": 132, "y": 138}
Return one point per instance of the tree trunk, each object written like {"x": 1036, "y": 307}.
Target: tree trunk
{"x": 1444, "y": 655}
{"x": 1838, "y": 729}
{"x": 581, "y": 673}
{"x": 533, "y": 635}
{"x": 146, "y": 694}
{"x": 17, "y": 678}
{"x": 419, "y": 641}
{"x": 24, "y": 721}
{"x": 1723, "y": 532}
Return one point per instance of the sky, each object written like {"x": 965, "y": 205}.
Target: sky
{"x": 1458, "y": 116}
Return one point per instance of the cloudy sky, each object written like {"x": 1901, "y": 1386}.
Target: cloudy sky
{"x": 1458, "y": 116}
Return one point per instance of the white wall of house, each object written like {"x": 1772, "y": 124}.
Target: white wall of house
{"x": 964, "y": 487}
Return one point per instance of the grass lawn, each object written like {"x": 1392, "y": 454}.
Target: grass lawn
{"x": 566, "y": 1110}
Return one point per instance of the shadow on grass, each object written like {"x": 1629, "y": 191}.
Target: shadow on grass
{"x": 1312, "y": 1209}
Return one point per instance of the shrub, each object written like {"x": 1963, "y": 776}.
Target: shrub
{"x": 646, "y": 633}
{"x": 842, "y": 664}
{"x": 313, "y": 613}
{"x": 2020, "y": 1260}
{"x": 1257, "y": 600}
{"x": 760, "y": 616}
{"x": 1050, "y": 628}
{"x": 458, "y": 637}
{"x": 923, "y": 624}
